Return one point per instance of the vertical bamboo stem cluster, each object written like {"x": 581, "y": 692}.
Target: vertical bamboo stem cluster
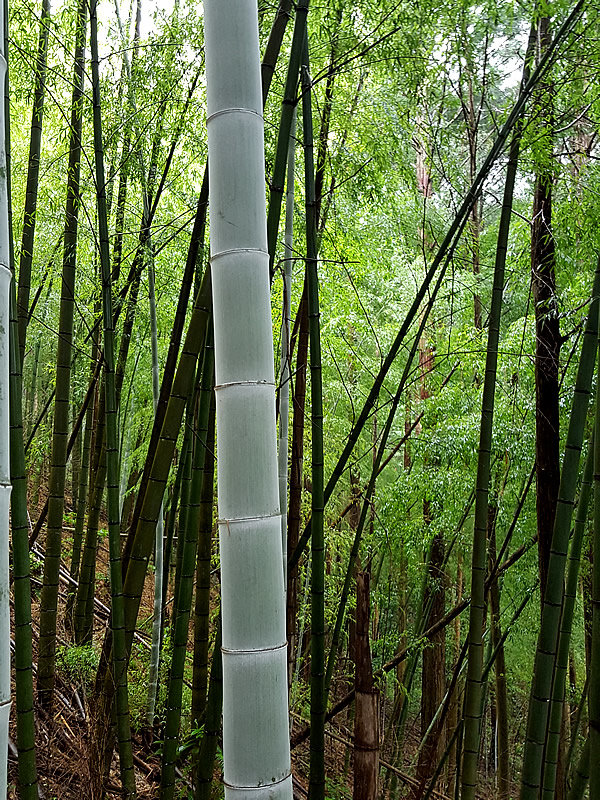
{"x": 255, "y": 717}
{"x": 5, "y": 485}
{"x": 119, "y": 655}
{"x": 49, "y": 598}
{"x": 548, "y": 639}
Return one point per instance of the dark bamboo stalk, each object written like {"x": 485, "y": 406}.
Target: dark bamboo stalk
{"x": 318, "y": 700}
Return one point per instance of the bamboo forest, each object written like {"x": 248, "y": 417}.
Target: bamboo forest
{"x": 300, "y": 457}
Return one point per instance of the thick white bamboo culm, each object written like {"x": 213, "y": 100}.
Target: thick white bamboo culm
{"x": 5, "y": 485}
{"x": 286, "y": 327}
{"x": 256, "y": 750}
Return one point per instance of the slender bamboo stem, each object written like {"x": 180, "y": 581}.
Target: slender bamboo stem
{"x": 318, "y": 701}
{"x": 33, "y": 172}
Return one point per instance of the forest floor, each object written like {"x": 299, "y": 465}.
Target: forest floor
{"x": 64, "y": 738}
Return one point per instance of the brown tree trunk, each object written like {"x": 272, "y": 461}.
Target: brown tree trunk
{"x": 366, "y": 721}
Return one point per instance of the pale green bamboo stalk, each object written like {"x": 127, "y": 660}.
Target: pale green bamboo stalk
{"x": 5, "y": 483}
{"x": 255, "y": 714}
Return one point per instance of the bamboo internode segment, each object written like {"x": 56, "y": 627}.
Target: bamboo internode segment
{"x": 255, "y": 721}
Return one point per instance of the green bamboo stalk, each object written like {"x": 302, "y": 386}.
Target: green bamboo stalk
{"x": 202, "y": 605}
{"x": 183, "y": 592}
{"x": 280, "y": 21}
{"x": 543, "y": 671}
{"x": 5, "y": 477}
{"x": 212, "y": 727}
{"x": 33, "y": 172}
{"x": 119, "y": 658}
{"x": 23, "y": 656}
{"x": 28, "y": 783}
{"x": 473, "y": 688}
{"x": 285, "y": 358}
{"x": 172, "y": 517}
{"x": 49, "y": 596}
{"x": 80, "y": 517}
{"x": 581, "y": 774}
{"x": 318, "y": 699}
{"x": 158, "y": 543}
{"x": 288, "y": 105}
{"x": 366, "y": 505}
{"x": 594, "y": 687}
{"x": 566, "y": 625}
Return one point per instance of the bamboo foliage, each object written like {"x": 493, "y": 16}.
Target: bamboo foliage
{"x": 255, "y": 715}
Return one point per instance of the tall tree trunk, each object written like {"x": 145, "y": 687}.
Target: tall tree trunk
{"x": 255, "y": 712}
